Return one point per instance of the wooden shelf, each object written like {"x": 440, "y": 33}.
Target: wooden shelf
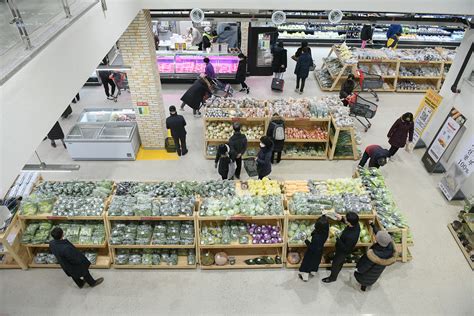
{"x": 240, "y": 246}
{"x": 304, "y": 158}
{"x": 306, "y": 140}
{"x": 419, "y": 77}
{"x": 103, "y": 262}
{"x": 330, "y": 245}
{"x": 75, "y": 245}
{"x": 182, "y": 264}
{"x": 240, "y": 264}
{"x": 322, "y": 265}
{"x": 239, "y": 217}
{"x": 62, "y": 218}
{"x": 150, "y": 218}
{"x": 464, "y": 252}
{"x": 153, "y": 246}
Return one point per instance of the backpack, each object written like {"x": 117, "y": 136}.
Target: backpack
{"x": 278, "y": 131}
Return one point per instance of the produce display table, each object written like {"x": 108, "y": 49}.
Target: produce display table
{"x": 337, "y": 143}
{"x": 392, "y": 69}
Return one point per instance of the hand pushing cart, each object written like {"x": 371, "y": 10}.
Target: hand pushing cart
{"x": 368, "y": 82}
{"x": 362, "y": 108}
{"x": 220, "y": 90}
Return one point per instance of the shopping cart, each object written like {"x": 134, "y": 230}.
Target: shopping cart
{"x": 121, "y": 81}
{"x": 369, "y": 82}
{"x": 362, "y": 108}
{"x": 219, "y": 90}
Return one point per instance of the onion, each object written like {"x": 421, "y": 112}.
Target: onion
{"x": 280, "y": 240}
{"x": 268, "y": 241}
{"x": 261, "y": 241}
{"x": 274, "y": 233}
{"x": 251, "y": 231}
{"x": 259, "y": 230}
{"x": 254, "y": 241}
{"x": 266, "y": 236}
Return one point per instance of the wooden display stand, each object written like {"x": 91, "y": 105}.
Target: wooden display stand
{"x": 390, "y": 80}
{"x": 334, "y": 134}
{"x": 402, "y": 247}
{"x": 182, "y": 260}
{"x": 243, "y": 121}
{"x": 14, "y": 255}
{"x": 307, "y": 124}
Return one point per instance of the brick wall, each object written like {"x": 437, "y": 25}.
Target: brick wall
{"x": 244, "y": 33}
{"x": 137, "y": 46}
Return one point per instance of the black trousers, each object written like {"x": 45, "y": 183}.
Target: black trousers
{"x": 180, "y": 143}
{"x": 86, "y": 278}
{"x": 238, "y": 168}
{"x": 278, "y": 156}
{"x": 337, "y": 263}
{"x": 364, "y": 159}
{"x": 393, "y": 150}
{"x": 244, "y": 85}
{"x": 106, "y": 84}
{"x": 303, "y": 80}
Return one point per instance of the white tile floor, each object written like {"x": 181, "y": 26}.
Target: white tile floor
{"x": 437, "y": 281}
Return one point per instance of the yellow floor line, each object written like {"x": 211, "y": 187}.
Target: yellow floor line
{"x": 162, "y": 154}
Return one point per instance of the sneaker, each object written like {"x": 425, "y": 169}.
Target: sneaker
{"x": 248, "y": 90}
{"x": 184, "y": 153}
{"x": 313, "y": 273}
{"x": 53, "y": 145}
{"x": 297, "y": 90}
{"x": 303, "y": 276}
{"x": 110, "y": 98}
{"x": 98, "y": 281}
{"x": 181, "y": 109}
{"x": 328, "y": 280}
{"x": 242, "y": 90}
{"x": 300, "y": 92}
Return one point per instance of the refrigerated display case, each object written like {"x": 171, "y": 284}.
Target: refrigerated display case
{"x": 104, "y": 134}
{"x": 260, "y": 58}
{"x": 189, "y": 64}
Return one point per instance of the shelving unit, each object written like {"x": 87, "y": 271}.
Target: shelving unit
{"x": 307, "y": 124}
{"x": 14, "y": 255}
{"x": 334, "y": 134}
{"x": 182, "y": 260}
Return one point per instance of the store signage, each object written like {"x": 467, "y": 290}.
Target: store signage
{"x": 428, "y": 107}
{"x": 143, "y": 108}
{"x": 448, "y": 131}
{"x": 458, "y": 172}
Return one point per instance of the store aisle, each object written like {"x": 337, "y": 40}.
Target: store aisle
{"x": 437, "y": 281}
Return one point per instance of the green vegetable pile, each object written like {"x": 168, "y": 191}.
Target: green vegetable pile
{"x": 48, "y": 258}
{"x": 78, "y": 206}
{"x": 245, "y": 205}
{"x": 344, "y": 145}
{"x": 224, "y": 233}
{"x": 153, "y": 256}
{"x": 85, "y": 233}
{"x": 300, "y": 230}
{"x": 308, "y": 204}
{"x": 144, "y": 205}
{"x": 37, "y": 204}
{"x": 100, "y": 189}
{"x": 161, "y": 233}
{"x": 306, "y": 150}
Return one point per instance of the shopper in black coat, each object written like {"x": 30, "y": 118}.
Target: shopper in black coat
{"x": 371, "y": 265}
{"x": 71, "y": 260}
{"x": 401, "y": 130}
{"x": 56, "y": 133}
{"x": 376, "y": 154}
{"x": 176, "y": 123}
{"x": 279, "y": 61}
{"x": 199, "y": 91}
{"x": 264, "y": 156}
{"x": 345, "y": 244}
{"x": 366, "y": 34}
{"x": 314, "y": 252}
{"x": 223, "y": 161}
{"x": 300, "y": 50}
{"x": 347, "y": 88}
{"x": 276, "y": 122}
{"x": 238, "y": 147}
{"x": 241, "y": 73}
{"x": 304, "y": 63}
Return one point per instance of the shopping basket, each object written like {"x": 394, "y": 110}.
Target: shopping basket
{"x": 250, "y": 166}
{"x": 369, "y": 82}
{"x": 362, "y": 108}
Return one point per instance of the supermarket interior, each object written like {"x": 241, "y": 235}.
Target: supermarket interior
{"x": 352, "y": 193}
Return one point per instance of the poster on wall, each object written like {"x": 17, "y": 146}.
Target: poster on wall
{"x": 428, "y": 107}
{"x": 445, "y": 135}
{"x": 458, "y": 172}
{"x": 143, "y": 108}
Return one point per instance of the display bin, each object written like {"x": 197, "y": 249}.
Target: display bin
{"x": 334, "y": 141}
{"x": 12, "y": 254}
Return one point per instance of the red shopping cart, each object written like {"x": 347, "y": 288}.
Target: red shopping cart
{"x": 369, "y": 82}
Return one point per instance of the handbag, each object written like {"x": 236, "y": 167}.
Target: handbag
{"x": 294, "y": 58}
{"x": 250, "y": 166}
{"x": 312, "y": 67}
{"x": 409, "y": 147}
{"x": 232, "y": 167}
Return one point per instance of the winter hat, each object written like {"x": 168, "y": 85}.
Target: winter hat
{"x": 383, "y": 238}
{"x": 172, "y": 109}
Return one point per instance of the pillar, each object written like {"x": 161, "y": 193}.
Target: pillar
{"x": 244, "y": 37}
{"x": 137, "y": 46}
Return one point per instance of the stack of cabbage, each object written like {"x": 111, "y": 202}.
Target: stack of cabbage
{"x": 161, "y": 233}
{"x": 261, "y": 187}
{"x": 37, "y": 204}
{"x": 100, "y": 189}
{"x": 337, "y": 186}
{"x": 224, "y": 233}
{"x": 144, "y": 205}
{"x": 308, "y": 204}
{"x": 48, "y": 258}
{"x": 387, "y": 211}
{"x": 84, "y": 233}
{"x": 245, "y": 205}
{"x": 304, "y": 150}
{"x": 224, "y": 130}
{"x": 153, "y": 256}
{"x": 299, "y": 230}
{"x": 78, "y": 206}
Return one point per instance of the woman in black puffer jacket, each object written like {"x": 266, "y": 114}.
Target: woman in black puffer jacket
{"x": 373, "y": 263}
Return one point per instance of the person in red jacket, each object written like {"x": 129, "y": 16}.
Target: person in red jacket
{"x": 399, "y": 132}
{"x": 376, "y": 154}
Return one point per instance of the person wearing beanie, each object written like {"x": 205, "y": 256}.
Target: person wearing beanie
{"x": 264, "y": 157}
{"x": 176, "y": 123}
{"x": 238, "y": 147}
{"x": 345, "y": 244}
{"x": 223, "y": 162}
{"x": 371, "y": 265}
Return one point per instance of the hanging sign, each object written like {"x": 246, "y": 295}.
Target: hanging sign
{"x": 458, "y": 172}
{"x": 428, "y": 107}
{"x": 451, "y": 126}
{"x": 143, "y": 108}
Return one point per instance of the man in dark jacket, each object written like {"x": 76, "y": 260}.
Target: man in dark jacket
{"x": 377, "y": 154}
{"x": 196, "y": 95}
{"x": 176, "y": 123}
{"x": 371, "y": 265}
{"x": 345, "y": 244}
{"x": 238, "y": 146}
{"x": 71, "y": 260}
{"x": 279, "y": 61}
{"x": 264, "y": 157}
{"x": 366, "y": 34}
{"x": 303, "y": 65}
{"x": 347, "y": 88}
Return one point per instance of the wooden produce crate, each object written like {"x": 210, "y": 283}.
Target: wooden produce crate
{"x": 241, "y": 255}
{"x": 290, "y": 187}
{"x": 14, "y": 256}
{"x": 334, "y": 134}
{"x": 182, "y": 264}
{"x": 324, "y": 262}
{"x": 103, "y": 261}
{"x": 402, "y": 247}
{"x": 463, "y": 250}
